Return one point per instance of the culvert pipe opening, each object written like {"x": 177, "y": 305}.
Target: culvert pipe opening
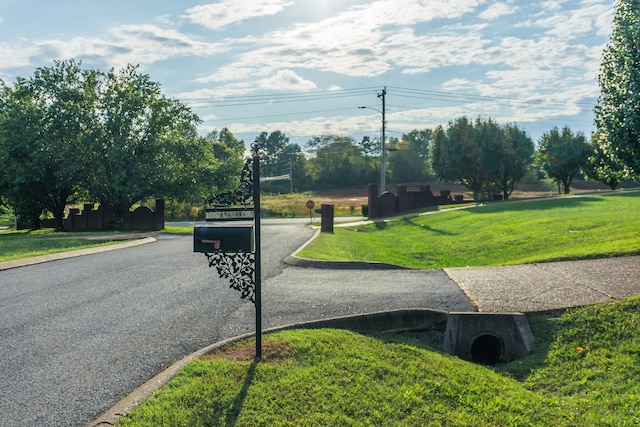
{"x": 487, "y": 349}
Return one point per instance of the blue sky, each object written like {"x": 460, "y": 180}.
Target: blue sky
{"x": 304, "y": 67}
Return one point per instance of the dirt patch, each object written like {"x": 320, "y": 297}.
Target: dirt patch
{"x": 276, "y": 351}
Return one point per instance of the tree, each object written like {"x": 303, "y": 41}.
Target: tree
{"x": 272, "y": 147}
{"x": 409, "y": 157}
{"x": 618, "y": 107}
{"x": 483, "y": 156}
{"x": 603, "y": 168}
{"x": 338, "y": 161}
{"x": 139, "y": 133}
{"x": 459, "y": 154}
{"x": 511, "y": 155}
{"x": 563, "y": 154}
{"x": 279, "y": 157}
{"x": 228, "y": 152}
{"x": 45, "y": 130}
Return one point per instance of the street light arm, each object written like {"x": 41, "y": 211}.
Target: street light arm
{"x": 371, "y": 108}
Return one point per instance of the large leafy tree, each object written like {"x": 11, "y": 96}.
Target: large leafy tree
{"x": 618, "y": 107}
{"x": 563, "y": 155}
{"x": 602, "y": 167}
{"x": 273, "y": 150}
{"x": 510, "y": 155}
{"x": 114, "y": 137}
{"x": 482, "y": 155}
{"x": 141, "y": 140}
{"x": 228, "y": 152}
{"x": 279, "y": 156}
{"x": 46, "y": 126}
{"x": 409, "y": 156}
{"x": 337, "y": 161}
{"x": 459, "y": 154}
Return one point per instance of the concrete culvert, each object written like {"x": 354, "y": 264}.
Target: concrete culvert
{"x": 488, "y": 338}
{"x": 487, "y": 349}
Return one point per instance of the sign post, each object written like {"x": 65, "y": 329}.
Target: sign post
{"x": 310, "y": 206}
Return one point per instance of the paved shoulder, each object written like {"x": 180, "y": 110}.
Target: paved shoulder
{"x": 300, "y": 294}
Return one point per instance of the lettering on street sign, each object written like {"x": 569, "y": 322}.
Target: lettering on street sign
{"x": 229, "y": 214}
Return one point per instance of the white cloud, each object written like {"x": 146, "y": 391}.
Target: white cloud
{"x": 143, "y": 44}
{"x": 224, "y": 13}
{"x": 421, "y": 54}
{"x": 571, "y": 23}
{"x": 359, "y": 42}
{"x": 553, "y": 5}
{"x": 497, "y": 10}
{"x": 287, "y": 80}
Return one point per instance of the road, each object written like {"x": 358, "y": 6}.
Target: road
{"x": 77, "y": 335}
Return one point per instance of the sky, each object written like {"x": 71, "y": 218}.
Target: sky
{"x": 304, "y": 67}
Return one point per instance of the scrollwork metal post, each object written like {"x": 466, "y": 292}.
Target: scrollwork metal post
{"x": 235, "y": 252}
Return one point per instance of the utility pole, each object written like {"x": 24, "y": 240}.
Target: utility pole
{"x": 383, "y": 156}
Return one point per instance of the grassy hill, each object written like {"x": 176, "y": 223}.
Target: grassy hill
{"x": 518, "y": 232}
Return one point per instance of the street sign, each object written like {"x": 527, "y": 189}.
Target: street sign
{"x": 230, "y": 214}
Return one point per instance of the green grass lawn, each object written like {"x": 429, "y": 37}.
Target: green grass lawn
{"x": 583, "y": 371}
{"x": 495, "y": 234}
{"x": 23, "y": 244}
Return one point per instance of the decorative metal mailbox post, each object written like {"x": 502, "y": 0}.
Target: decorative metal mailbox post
{"x": 235, "y": 250}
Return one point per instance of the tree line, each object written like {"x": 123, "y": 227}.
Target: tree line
{"x": 484, "y": 156}
{"x": 70, "y": 134}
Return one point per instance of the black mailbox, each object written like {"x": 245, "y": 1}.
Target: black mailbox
{"x": 222, "y": 238}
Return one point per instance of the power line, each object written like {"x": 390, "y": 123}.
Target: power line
{"x": 461, "y": 97}
{"x": 394, "y": 91}
{"x": 266, "y": 116}
{"x": 245, "y": 100}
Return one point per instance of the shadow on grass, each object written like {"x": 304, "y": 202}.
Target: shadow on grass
{"x": 536, "y": 204}
{"x": 380, "y": 225}
{"x": 238, "y": 402}
{"x": 544, "y": 327}
{"x": 426, "y": 227}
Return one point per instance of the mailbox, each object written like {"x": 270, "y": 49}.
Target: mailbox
{"x": 222, "y": 238}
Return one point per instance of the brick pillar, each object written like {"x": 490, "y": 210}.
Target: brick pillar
{"x": 373, "y": 201}
{"x": 326, "y": 218}
{"x": 159, "y": 214}
{"x": 403, "y": 199}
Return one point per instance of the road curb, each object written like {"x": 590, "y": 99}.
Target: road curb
{"x": 296, "y": 261}
{"x": 72, "y": 254}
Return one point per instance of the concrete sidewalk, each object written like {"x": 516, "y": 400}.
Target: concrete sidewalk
{"x": 549, "y": 286}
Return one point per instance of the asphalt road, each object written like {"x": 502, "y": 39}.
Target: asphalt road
{"x": 76, "y": 335}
